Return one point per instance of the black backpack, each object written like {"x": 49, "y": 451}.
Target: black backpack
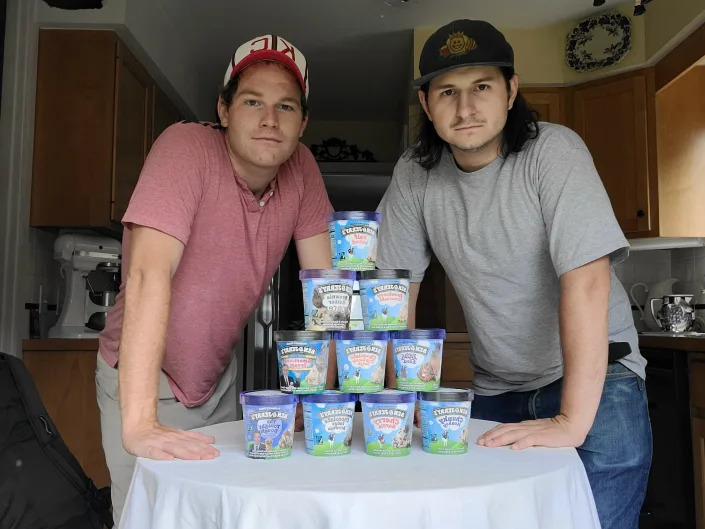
{"x": 42, "y": 486}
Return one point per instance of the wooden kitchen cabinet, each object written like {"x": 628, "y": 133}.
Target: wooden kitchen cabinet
{"x": 94, "y": 123}
{"x": 133, "y": 128}
{"x": 680, "y": 118}
{"x": 549, "y": 103}
{"x": 456, "y": 369}
{"x": 438, "y": 305}
{"x": 64, "y": 373}
{"x": 165, "y": 113}
{"x": 615, "y": 118}
{"x": 647, "y": 149}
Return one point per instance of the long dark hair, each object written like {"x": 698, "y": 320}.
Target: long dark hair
{"x": 522, "y": 125}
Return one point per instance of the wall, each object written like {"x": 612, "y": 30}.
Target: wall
{"x": 161, "y": 52}
{"x": 26, "y": 262}
{"x": 539, "y": 53}
{"x": 666, "y": 25}
{"x": 26, "y": 254}
{"x": 382, "y": 138}
{"x": 23, "y": 251}
{"x": 646, "y": 267}
{"x": 634, "y": 59}
{"x": 112, "y": 14}
{"x": 166, "y": 55}
{"x": 687, "y": 265}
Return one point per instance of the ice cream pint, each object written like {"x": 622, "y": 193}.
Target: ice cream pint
{"x": 303, "y": 360}
{"x": 417, "y": 358}
{"x": 361, "y": 357}
{"x": 353, "y": 239}
{"x": 328, "y": 422}
{"x": 388, "y": 419}
{"x": 269, "y": 423}
{"x": 384, "y": 295}
{"x": 327, "y": 298}
{"x": 444, "y": 416}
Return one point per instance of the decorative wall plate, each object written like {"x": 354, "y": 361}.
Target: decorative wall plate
{"x": 598, "y": 41}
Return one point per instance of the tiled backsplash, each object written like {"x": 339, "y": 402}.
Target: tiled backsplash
{"x": 650, "y": 266}
{"x": 644, "y": 267}
{"x": 688, "y": 265}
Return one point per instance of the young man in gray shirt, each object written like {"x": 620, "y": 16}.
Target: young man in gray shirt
{"x": 518, "y": 217}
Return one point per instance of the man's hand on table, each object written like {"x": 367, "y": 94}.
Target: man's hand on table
{"x": 160, "y": 442}
{"x": 557, "y": 432}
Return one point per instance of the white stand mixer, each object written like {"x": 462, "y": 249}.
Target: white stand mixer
{"x": 79, "y": 255}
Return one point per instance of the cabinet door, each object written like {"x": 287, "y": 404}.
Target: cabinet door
{"x": 73, "y": 128}
{"x": 133, "y": 128}
{"x": 65, "y": 381}
{"x": 611, "y": 117}
{"x": 456, "y": 369}
{"x": 548, "y": 105}
{"x": 164, "y": 113}
{"x": 698, "y": 426}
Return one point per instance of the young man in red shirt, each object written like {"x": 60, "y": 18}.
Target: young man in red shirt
{"x": 207, "y": 226}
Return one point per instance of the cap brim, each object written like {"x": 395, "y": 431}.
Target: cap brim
{"x": 418, "y": 83}
{"x": 274, "y": 56}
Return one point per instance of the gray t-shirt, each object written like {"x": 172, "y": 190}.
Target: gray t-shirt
{"x": 504, "y": 235}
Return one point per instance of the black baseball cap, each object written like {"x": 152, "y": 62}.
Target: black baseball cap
{"x": 463, "y": 43}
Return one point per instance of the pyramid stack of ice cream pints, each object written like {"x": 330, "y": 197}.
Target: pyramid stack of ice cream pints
{"x": 354, "y": 284}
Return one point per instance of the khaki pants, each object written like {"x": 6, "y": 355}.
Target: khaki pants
{"x": 219, "y": 408}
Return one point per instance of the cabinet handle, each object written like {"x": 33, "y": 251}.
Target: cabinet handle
{"x": 640, "y": 213}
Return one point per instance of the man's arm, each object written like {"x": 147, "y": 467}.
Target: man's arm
{"x": 584, "y": 324}
{"x": 154, "y": 259}
{"x": 584, "y": 330}
{"x": 314, "y": 252}
{"x": 411, "y": 322}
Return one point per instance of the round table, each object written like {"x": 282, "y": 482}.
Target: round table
{"x": 485, "y": 488}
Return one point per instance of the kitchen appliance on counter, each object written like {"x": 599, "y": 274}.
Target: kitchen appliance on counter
{"x": 90, "y": 267}
{"x": 675, "y": 313}
{"x": 652, "y": 291}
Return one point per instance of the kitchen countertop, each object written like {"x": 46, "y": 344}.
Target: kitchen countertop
{"x": 683, "y": 343}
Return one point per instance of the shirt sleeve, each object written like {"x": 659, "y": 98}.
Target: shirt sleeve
{"x": 403, "y": 240}
{"x": 579, "y": 219}
{"x": 171, "y": 183}
{"x": 314, "y": 203}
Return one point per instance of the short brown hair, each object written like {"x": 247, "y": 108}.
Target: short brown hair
{"x": 228, "y": 92}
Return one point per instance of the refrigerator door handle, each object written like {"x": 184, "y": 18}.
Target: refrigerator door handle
{"x": 267, "y": 317}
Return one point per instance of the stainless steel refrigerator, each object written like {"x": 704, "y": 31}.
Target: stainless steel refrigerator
{"x": 350, "y": 187}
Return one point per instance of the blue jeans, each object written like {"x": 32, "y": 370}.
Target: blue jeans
{"x": 617, "y": 451}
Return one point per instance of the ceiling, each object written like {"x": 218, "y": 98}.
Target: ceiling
{"x": 359, "y": 51}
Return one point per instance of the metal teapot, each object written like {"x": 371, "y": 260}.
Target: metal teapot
{"x": 676, "y": 314}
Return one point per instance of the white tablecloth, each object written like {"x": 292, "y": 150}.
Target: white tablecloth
{"x": 486, "y": 488}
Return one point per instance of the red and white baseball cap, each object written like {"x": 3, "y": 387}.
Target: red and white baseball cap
{"x": 269, "y": 48}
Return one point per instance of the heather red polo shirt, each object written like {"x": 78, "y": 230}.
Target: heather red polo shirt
{"x": 233, "y": 241}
